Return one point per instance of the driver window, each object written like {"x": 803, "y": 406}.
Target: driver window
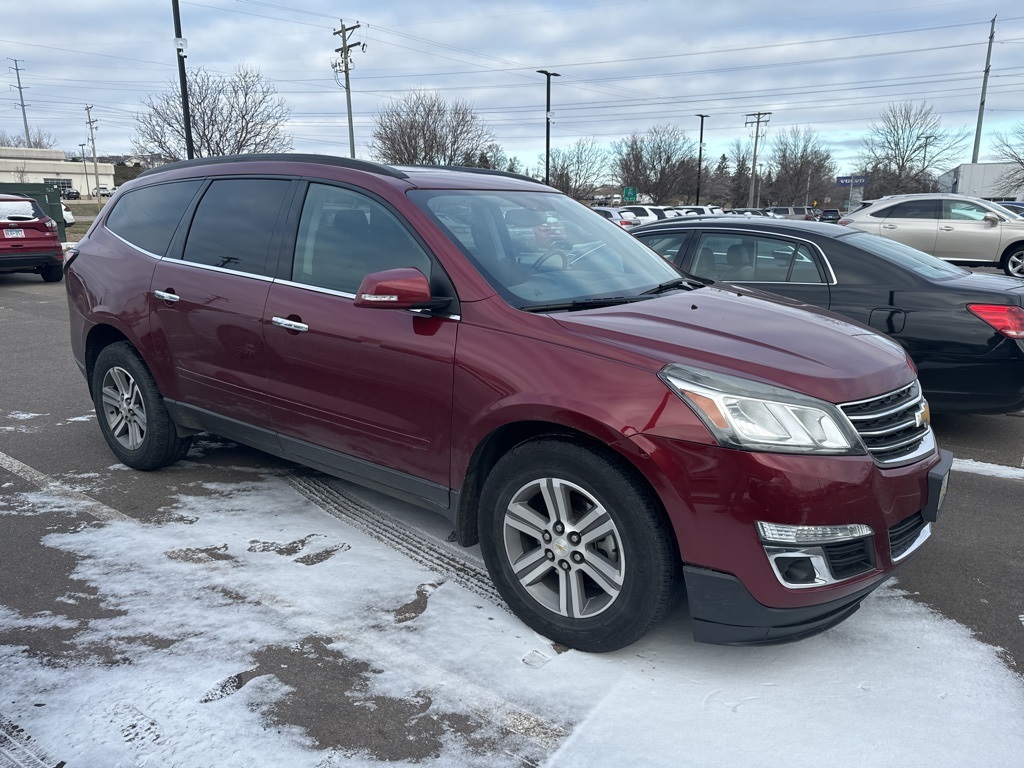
{"x": 344, "y": 236}
{"x": 963, "y": 210}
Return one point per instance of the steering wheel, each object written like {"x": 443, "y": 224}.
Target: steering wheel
{"x": 548, "y": 255}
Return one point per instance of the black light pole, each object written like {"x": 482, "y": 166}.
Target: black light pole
{"x": 700, "y": 155}
{"x": 179, "y": 44}
{"x": 547, "y": 131}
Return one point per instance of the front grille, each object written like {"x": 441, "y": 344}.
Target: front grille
{"x": 893, "y": 426}
{"x": 903, "y": 535}
{"x": 849, "y": 558}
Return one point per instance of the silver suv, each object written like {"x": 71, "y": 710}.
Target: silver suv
{"x": 957, "y": 228}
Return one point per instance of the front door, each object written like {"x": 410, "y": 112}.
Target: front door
{"x": 369, "y": 386}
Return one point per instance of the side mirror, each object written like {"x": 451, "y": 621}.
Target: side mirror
{"x": 403, "y": 288}
{"x": 991, "y": 218}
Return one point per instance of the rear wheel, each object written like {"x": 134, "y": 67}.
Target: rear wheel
{"x": 51, "y": 273}
{"x": 131, "y": 411}
{"x": 576, "y": 545}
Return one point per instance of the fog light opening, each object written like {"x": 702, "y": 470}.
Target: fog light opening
{"x": 796, "y": 570}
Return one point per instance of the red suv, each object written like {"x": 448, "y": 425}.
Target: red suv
{"x": 602, "y": 424}
{"x": 28, "y": 239}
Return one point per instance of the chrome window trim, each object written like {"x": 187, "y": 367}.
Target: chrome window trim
{"x": 830, "y": 277}
{"x": 352, "y": 296}
{"x": 221, "y": 270}
{"x": 131, "y": 244}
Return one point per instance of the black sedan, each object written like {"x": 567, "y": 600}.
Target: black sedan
{"x": 965, "y": 331}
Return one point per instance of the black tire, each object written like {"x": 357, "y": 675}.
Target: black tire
{"x": 131, "y": 411}
{"x": 602, "y": 580}
{"x": 51, "y": 273}
{"x": 1013, "y": 261}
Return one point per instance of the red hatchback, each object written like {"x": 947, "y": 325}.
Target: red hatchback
{"x": 28, "y": 239}
{"x": 604, "y": 426}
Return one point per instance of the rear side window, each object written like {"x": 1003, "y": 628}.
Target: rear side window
{"x": 754, "y": 258}
{"x": 912, "y": 209}
{"x": 234, "y": 224}
{"x": 147, "y": 217}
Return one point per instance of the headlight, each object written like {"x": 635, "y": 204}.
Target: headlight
{"x": 742, "y": 413}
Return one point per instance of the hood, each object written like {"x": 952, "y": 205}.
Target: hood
{"x": 756, "y": 335}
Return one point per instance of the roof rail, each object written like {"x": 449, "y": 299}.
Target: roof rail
{"x": 485, "y": 171}
{"x": 344, "y": 162}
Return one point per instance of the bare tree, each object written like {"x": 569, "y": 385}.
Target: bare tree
{"x": 1009, "y": 148}
{"x": 237, "y": 115}
{"x": 803, "y": 170}
{"x": 661, "y": 163}
{"x": 493, "y": 156}
{"x": 421, "y": 128}
{"x": 578, "y": 170}
{"x": 901, "y": 147}
{"x": 38, "y": 139}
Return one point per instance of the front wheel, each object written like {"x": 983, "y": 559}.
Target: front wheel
{"x": 576, "y": 545}
{"x": 131, "y": 411}
{"x": 1013, "y": 262}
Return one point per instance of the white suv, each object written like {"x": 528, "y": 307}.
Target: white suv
{"x": 957, "y": 228}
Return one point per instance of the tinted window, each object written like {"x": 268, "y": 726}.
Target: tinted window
{"x": 904, "y": 256}
{"x": 234, "y": 224}
{"x": 147, "y": 217}
{"x": 344, "y": 236}
{"x": 912, "y": 209}
{"x": 670, "y": 246}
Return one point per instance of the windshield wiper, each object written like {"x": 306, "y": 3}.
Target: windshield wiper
{"x": 676, "y": 282}
{"x": 604, "y": 301}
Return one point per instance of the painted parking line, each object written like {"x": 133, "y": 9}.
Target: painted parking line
{"x": 992, "y": 470}
{"x": 53, "y": 486}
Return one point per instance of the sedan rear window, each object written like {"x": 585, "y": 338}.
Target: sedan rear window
{"x": 917, "y": 261}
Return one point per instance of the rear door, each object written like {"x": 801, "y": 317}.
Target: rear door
{"x": 207, "y": 299}
{"x": 356, "y": 389}
{"x": 913, "y": 222}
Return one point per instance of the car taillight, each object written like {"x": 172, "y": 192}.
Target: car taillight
{"x": 844, "y": 222}
{"x": 51, "y": 225}
{"x": 1008, "y": 320}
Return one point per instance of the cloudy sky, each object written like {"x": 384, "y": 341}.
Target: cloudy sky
{"x": 623, "y": 66}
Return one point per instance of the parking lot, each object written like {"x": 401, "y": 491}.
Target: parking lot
{"x": 237, "y": 610}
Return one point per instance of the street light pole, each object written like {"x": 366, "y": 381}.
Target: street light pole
{"x": 700, "y": 156}
{"x": 180, "y": 44}
{"x": 547, "y": 129}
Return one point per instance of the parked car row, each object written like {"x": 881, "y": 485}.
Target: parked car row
{"x": 605, "y": 426}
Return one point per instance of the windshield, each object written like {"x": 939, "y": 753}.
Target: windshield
{"x": 1009, "y": 212}
{"x": 921, "y": 263}
{"x": 539, "y": 249}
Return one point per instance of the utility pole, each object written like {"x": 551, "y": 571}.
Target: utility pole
{"x": 180, "y": 43}
{"x": 21, "y": 98}
{"x": 345, "y": 65}
{"x": 85, "y": 170}
{"x": 700, "y": 156}
{"x": 92, "y": 140}
{"x": 759, "y": 117}
{"x": 984, "y": 89}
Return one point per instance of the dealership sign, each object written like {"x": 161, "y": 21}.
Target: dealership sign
{"x": 851, "y": 181}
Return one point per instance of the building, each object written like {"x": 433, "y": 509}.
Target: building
{"x": 979, "y": 180}
{"x": 50, "y": 166}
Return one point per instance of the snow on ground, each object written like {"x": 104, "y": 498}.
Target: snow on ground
{"x": 247, "y": 627}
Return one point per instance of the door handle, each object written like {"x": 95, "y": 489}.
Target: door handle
{"x": 289, "y": 325}
{"x": 888, "y": 226}
{"x": 167, "y": 296}
{"x": 947, "y": 228}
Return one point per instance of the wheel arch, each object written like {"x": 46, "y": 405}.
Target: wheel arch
{"x": 502, "y": 439}
{"x": 1016, "y": 247}
{"x": 100, "y": 337}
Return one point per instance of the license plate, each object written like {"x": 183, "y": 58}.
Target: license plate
{"x": 14, "y": 233}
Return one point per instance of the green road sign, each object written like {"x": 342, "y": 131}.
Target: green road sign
{"x": 629, "y": 194}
